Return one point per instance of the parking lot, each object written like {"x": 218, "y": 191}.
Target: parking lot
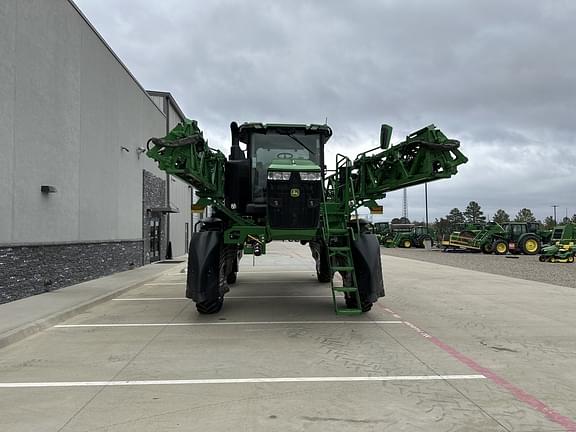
{"x": 447, "y": 350}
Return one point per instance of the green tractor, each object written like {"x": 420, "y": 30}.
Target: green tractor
{"x": 416, "y": 237}
{"x": 514, "y": 237}
{"x": 562, "y": 246}
{"x": 275, "y": 186}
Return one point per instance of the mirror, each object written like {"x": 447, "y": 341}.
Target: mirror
{"x": 385, "y": 135}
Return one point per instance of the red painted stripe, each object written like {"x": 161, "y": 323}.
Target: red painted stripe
{"x": 552, "y": 415}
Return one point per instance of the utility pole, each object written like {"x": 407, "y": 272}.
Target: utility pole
{"x": 426, "y": 200}
{"x": 405, "y": 205}
{"x": 554, "y": 206}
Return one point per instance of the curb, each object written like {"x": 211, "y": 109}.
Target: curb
{"x": 17, "y": 334}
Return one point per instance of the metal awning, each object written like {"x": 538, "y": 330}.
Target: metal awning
{"x": 167, "y": 209}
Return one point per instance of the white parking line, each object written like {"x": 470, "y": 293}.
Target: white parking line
{"x": 165, "y": 283}
{"x": 239, "y": 381}
{"x": 227, "y": 298}
{"x": 240, "y": 323}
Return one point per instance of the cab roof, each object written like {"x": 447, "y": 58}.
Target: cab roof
{"x": 248, "y": 128}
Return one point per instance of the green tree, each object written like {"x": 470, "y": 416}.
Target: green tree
{"x": 525, "y": 215}
{"x": 455, "y": 217}
{"x": 442, "y": 227}
{"x": 501, "y": 217}
{"x": 549, "y": 222}
{"x": 473, "y": 213}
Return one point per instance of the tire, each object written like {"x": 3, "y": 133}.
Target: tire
{"x": 530, "y": 245}
{"x": 570, "y": 259}
{"x": 210, "y": 306}
{"x": 542, "y": 258}
{"x": 231, "y": 278}
{"x": 500, "y": 247}
{"x": 320, "y": 254}
{"x": 407, "y": 243}
{"x": 552, "y": 259}
{"x": 352, "y": 303}
{"x": 486, "y": 248}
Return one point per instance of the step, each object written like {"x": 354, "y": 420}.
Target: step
{"x": 339, "y": 248}
{"x": 346, "y": 311}
{"x": 342, "y": 268}
{"x": 345, "y": 289}
{"x": 337, "y": 231}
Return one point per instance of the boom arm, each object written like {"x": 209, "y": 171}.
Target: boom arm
{"x": 185, "y": 154}
{"x": 426, "y": 155}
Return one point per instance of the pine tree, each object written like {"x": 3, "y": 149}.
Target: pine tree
{"x": 473, "y": 213}
{"x": 455, "y": 216}
{"x": 525, "y": 215}
{"x": 549, "y": 222}
{"x": 501, "y": 217}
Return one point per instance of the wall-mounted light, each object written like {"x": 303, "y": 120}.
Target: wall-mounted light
{"x": 139, "y": 151}
{"x": 126, "y": 149}
{"x": 46, "y": 189}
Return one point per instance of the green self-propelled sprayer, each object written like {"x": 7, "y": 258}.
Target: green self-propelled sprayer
{"x": 278, "y": 188}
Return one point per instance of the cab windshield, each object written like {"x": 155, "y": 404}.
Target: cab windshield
{"x": 267, "y": 147}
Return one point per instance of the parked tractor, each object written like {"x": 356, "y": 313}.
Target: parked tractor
{"x": 562, "y": 246}
{"x": 514, "y": 237}
{"x": 274, "y": 186}
{"x": 416, "y": 237}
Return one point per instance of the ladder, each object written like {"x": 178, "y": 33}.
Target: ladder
{"x": 337, "y": 236}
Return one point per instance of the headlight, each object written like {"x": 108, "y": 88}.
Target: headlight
{"x": 310, "y": 176}
{"x": 279, "y": 175}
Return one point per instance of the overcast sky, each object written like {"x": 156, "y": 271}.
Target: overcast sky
{"x": 498, "y": 75}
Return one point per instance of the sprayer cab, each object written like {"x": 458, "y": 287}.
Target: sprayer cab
{"x": 278, "y": 176}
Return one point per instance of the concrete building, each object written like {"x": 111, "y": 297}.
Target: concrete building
{"x": 79, "y": 198}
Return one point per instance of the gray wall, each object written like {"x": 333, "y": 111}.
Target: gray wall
{"x": 68, "y": 106}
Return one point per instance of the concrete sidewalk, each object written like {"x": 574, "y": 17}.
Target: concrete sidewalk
{"x": 22, "y": 318}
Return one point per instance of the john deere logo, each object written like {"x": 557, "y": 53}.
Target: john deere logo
{"x": 295, "y": 193}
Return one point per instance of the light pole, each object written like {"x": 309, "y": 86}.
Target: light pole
{"x": 554, "y": 206}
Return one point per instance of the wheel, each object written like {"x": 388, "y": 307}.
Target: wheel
{"x": 320, "y": 254}
{"x": 570, "y": 259}
{"x": 552, "y": 259}
{"x": 352, "y": 303}
{"x": 210, "y": 306}
{"x": 231, "y": 278}
{"x": 486, "y": 248}
{"x": 542, "y": 258}
{"x": 530, "y": 245}
{"x": 500, "y": 247}
{"x": 407, "y": 243}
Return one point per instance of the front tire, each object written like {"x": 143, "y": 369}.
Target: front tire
{"x": 352, "y": 303}
{"x": 407, "y": 244}
{"x": 209, "y": 307}
{"x": 500, "y": 247}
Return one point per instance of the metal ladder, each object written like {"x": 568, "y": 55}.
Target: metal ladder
{"x": 337, "y": 236}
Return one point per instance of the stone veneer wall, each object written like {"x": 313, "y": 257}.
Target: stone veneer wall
{"x": 27, "y": 270}
{"x": 153, "y": 196}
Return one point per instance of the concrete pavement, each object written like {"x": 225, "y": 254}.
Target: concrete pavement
{"x": 446, "y": 350}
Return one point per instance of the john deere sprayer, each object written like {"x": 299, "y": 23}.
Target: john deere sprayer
{"x": 278, "y": 188}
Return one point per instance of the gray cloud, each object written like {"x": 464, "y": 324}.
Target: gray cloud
{"x": 498, "y": 75}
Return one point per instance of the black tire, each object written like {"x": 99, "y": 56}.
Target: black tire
{"x": 542, "y": 258}
{"x": 210, "y": 306}
{"x": 321, "y": 257}
{"x": 231, "y": 278}
{"x": 530, "y": 245}
{"x": 486, "y": 248}
{"x": 352, "y": 303}
{"x": 500, "y": 247}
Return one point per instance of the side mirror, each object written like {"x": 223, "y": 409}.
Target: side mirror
{"x": 385, "y": 135}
